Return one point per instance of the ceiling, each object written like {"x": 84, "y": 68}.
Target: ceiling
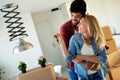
{"x": 33, "y": 6}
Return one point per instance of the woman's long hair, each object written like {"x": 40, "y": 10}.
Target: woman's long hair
{"x": 95, "y": 31}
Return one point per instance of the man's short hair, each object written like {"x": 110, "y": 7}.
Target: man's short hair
{"x": 78, "y": 6}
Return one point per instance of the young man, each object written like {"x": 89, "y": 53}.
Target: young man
{"x": 78, "y": 10}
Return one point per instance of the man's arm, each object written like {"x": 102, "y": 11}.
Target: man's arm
{"x": 88, "y": 64}
{"x": 62, "y": 45}
{"x": 64, "y": 35}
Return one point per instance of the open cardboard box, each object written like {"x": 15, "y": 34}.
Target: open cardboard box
{"x": 114, "y": 59}
{"x": 111, "y": 46}
{"x": 38, "y": 73}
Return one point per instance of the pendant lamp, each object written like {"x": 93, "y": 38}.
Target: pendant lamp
{"x": 22, "y": 45}
{"x": 16, "y": 28}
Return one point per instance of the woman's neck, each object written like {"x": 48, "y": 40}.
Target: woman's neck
{"x": 87, "y": 38}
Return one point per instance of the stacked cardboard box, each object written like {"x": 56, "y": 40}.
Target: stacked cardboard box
{"x": 113, "y": 53}
{"x": 110, "y": 42}
{"x": 111, "y": 46}
{"x": 107, "y": 33}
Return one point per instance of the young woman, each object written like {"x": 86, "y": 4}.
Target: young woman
{"x": 86, "y": 47}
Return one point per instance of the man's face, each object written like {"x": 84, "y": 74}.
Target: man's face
{"x": 75, "y": 17}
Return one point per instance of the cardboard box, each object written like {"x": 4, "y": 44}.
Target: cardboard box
{"x": 107, "y": 33}
{"x": 113, "y": 59}
{"x": 113, "y": 66}
{"x": 107, "y": 77}
{"x": 112, "y": 46}
{"x": 117, "y": 64}
{"x": 61, "y": 78}
{"x": 38, "y": 73}
{"x": 114, "y": 73}
{"x": 46, "y": 73}
{"x": 57, "y": 78}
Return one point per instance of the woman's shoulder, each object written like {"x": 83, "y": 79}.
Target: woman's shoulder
{"x": 76, "y": 36}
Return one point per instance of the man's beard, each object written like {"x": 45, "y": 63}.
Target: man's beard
{"x": 75, "y": 23}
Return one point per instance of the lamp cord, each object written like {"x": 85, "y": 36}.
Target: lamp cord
{"x": 12, "y": 20}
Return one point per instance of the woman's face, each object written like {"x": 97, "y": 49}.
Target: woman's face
{"x": 82, "y": 26}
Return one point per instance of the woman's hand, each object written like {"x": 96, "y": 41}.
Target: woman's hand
{"x": 96, "y": 67}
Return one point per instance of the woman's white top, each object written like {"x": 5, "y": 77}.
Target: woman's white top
{"x": 88, "y": 50}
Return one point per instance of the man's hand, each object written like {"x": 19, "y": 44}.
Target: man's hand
{"x": 80, "y": 57}
{"x": 92, "y": 65}
{"x": 58, "y": 37}
{"x": 87, "y": 58}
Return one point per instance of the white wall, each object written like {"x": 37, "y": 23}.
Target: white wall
{"x": 106, "y": 11}
{"x": 47, "y": 24}
{"x": 56, "y": 19}
{"x": 113, "y": 8}
{"x": 9, "y": 60}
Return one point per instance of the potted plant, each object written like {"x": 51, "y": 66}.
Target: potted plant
{"x": 22, "y": 67}
{"x": 1, "y": 72}
{"x": 42, "y": 61}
